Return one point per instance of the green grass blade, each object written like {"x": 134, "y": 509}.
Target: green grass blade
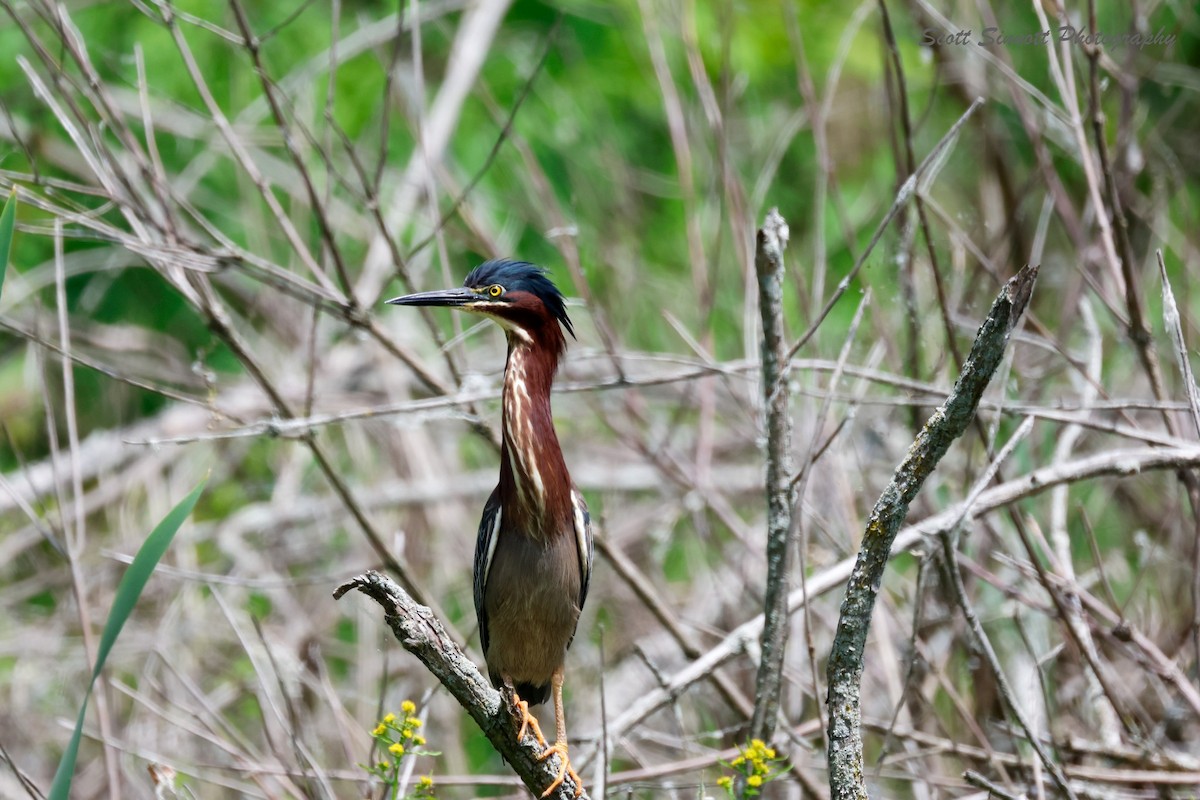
{"x": 134, "y": 580}
{"x": 128, "y": 592}
{"x": 7, "y": 218}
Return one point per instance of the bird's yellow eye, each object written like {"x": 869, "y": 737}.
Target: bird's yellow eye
{"x": 496, "y": 290}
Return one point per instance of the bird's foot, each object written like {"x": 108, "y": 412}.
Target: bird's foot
{"x": 564, "y": 769}
{"x": 529, "y": 723}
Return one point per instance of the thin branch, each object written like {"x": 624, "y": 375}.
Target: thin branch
{"x": 975, "y": 779}
{"x": 244, "y": 159}
{"x": 1103, "y": 711}
{"x": 1174, "y": 326}
{"x": 1159, "y": 663}
{"x": 989, "y": 652}
{"x": 472, "y": 42}
{"x": 644, "y": 588}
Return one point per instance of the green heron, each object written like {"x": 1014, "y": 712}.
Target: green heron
{"x": 533, "y": 554}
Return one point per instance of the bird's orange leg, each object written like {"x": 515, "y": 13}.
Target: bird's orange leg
{"x": 560, "y": 741}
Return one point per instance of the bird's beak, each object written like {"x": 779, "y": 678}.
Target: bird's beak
{"x": 454, "y": 298}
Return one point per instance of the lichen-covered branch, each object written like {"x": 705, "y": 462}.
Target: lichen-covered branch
{"x": 768, "y": 263}
{"x": 420, "y": 632}
{"x": 846, "y": 778}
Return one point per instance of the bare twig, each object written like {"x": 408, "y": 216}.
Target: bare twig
{"x": 985, "y": 646}
{"x": 642, "y": 586}
{"x": 244, "y": 159}
{"x": 975, "y": 779}
{"x": 1174, "y": 326}
{"x": 1162, "y": 665}
{"x": 501, "y": 138}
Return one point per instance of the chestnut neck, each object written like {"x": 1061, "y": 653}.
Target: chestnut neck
{"x": 535, "y": 488}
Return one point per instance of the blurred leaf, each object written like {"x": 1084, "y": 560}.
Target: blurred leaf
{"x": 259, "y": 605}
{"x": 128, "y": 592}
{"x": 7, "y": 218}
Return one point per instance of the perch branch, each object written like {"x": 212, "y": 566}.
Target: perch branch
{"x": 846, "y": 771}
{"x": 420, "y": 632}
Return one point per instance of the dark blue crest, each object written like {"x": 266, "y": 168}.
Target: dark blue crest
{"x": 521, "y": 276}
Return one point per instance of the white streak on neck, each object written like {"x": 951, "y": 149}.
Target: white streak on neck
{"x": 518, "y": 430}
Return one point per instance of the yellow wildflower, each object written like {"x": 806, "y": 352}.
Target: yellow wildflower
{"x": 754, "y": 780}
{"x": 389, "y": 719}
{"x": 418, "y": 740}
{"x": 414, "y": 722}
{"x": 397, "y": 749}
{"x": 380, "y": 729}
{"x": 426, "y": 782}
{"x": 408, "y": 706}
{"x": 724, "y": 781}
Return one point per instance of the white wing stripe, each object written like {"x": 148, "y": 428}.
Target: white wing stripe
{"x": 581, "y": 532}
{"x": 493, "y": 537}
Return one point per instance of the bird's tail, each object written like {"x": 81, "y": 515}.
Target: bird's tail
{"x": 534, "y": 695}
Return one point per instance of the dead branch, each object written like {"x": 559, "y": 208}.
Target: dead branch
{"x": 768, "y": 262}
{"x": 422, "y": 634}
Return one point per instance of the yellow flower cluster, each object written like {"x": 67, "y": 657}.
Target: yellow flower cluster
{"x": 397, "y": 736}
{"x": 405, "y": 729}
{"x": 755, "y": 763}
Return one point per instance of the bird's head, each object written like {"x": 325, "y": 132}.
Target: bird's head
{"x": 516, "y": 294}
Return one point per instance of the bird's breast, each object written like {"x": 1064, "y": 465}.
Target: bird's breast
{"x": 531, "y": 601}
